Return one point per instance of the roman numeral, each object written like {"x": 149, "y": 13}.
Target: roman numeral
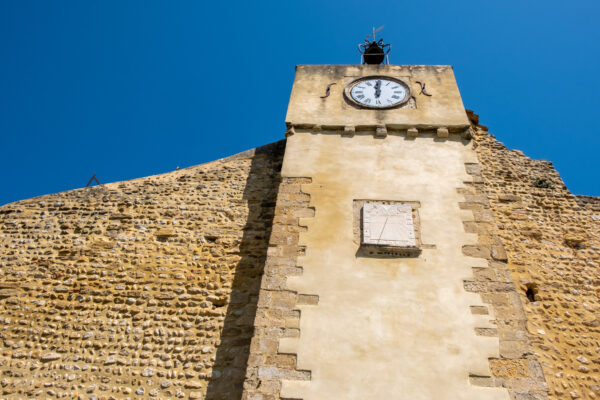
{"x": 368, "y": 101}
{"x": 397, "y": 91}
{"x": 369, "y": 83}
{"x": 360, "y": 96}
{"x": 395, "y": 97}
{"x": 358, "y": 91}
{"x": 387, "y": 83}
{"x": 395, "y": 87}
{"x": 377, "y": 101}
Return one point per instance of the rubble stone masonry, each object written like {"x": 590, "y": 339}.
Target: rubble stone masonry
{"x": 139, "y": 289}
{"x": 551, "y": 238}
{"x": 516, "y": 368}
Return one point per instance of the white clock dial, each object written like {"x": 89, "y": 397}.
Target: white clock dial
{"x": 379, "y": 92}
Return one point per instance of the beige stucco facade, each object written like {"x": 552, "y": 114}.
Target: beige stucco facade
{"x": 309, "y": 106}
{"x": 384, "y": 327}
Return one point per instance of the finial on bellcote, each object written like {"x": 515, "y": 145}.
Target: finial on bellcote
{"x": 374, "y": 51}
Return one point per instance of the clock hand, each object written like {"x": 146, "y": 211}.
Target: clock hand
{"x": 378, "y": 89}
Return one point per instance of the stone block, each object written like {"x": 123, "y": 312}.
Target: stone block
{"x": 5, "y": 293}
{"x": 506, "y": 369}
{"x": 498, "y": 253}
{"x": 488, "y": 332}
{"x": 442, "y": 132}
{"x": 290, "y": 131}
{"x": 515, "y": 349}
{"x": 412, "y": 132}
{"x": 308, "y": 299}
{"x": 476, "y": 251}
{"x": 349, "y": 130}
{"x": 381, "y": 131}
{"x": 473, "y": 168}
{"x": 479, "y": 310}
{"x": 475, "y": 286}
{"x": 505, "y": 198}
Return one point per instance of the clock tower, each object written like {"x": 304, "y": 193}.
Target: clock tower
{"x": 363, "y": 295}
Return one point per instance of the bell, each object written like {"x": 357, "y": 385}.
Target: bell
{"x": 373, "y": 54}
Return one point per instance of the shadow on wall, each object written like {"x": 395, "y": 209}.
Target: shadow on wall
{"x": 260, "y": 192}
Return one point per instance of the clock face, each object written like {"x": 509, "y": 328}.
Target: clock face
{"x": 378, "y": 92}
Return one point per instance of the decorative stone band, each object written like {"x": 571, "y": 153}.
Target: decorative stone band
{"x": 382, "y": 131}
{"x": 277, "y": 315}
{"x": 517, "y": 368}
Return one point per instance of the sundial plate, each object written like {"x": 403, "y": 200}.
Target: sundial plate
{"x": 388, "y": 225}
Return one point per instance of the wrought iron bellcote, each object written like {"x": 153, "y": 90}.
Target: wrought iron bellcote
{"x": 374, "y": 51}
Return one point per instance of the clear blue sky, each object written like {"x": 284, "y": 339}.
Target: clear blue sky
{"x": 127, "y": 89}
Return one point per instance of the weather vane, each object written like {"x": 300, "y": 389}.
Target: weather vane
{"x": 374, "y": 51}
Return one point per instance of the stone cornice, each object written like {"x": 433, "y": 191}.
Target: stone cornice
{"x": 440, "y": 132}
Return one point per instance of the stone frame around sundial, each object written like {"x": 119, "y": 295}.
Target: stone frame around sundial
{"x": 387, "y": 227}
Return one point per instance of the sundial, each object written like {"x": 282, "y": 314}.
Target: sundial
{"x": 388, "y": 226}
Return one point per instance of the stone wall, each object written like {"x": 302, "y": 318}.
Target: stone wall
{"x": 278, "y": 315}
{"x": 551, "y": 238}
{"x": 145, "y": 288}
{"x": 516, "y": 368}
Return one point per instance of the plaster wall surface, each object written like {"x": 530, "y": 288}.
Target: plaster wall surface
{"x": 307, "y": 107}
{"x": 386, "y": 328}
